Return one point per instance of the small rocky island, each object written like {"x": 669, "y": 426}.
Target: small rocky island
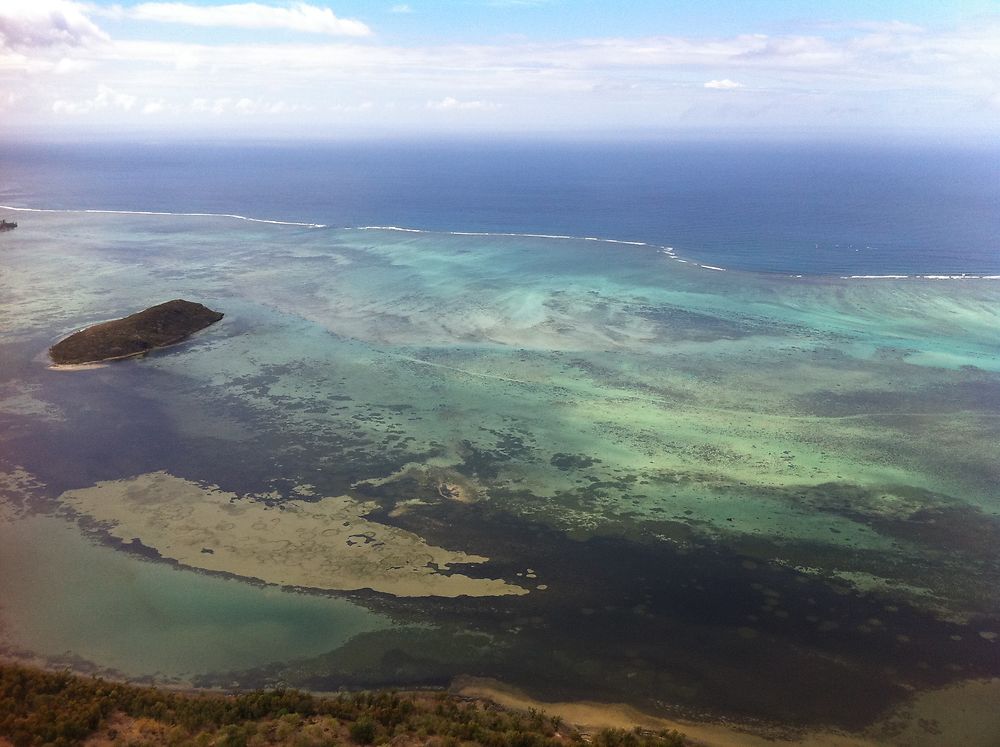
{"x": 136, "y": 334}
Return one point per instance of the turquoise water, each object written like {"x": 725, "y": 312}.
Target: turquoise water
{"x": 747, "y": 495}
{"x": 107, "y": 610}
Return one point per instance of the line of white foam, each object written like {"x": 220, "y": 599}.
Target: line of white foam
{"x": 495, "y": 233}
{"x": 666, "y": 250}
{"x": 514, "y": 235}
{"x": 159, "y": 212}
{"x": 391, "y": 228}
{"x": 874, "y": 277}
{"x": 961, "y": 276}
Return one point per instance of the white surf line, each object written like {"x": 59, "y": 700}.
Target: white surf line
{"x": 389, "y": 228}
{"x": 513, "y": 235}
{"x": 873, "y": 277}
{"x": 488, "y": 233}
{"x": 666, "y": 250}
{"x": 164, "y": 213}
{"x": 961, "y": 276}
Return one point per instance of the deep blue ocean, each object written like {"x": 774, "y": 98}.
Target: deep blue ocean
{"x": 791, "y": 208}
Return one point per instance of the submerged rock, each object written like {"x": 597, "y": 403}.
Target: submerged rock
{"x": 136, "y": 334}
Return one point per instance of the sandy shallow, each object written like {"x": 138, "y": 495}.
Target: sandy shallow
{"x": 17, "y": 487}
{"x": 326, "y": 544}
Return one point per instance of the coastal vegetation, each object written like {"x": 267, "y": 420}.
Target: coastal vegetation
{"x": 57, "y": 708}
{"x": 155, "y": 327}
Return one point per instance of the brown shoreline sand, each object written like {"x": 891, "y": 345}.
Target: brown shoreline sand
{"x": 962, "y": 714}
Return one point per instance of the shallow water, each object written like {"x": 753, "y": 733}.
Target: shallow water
{"x": 746, "y": 495}
{"x": 64, "y": 596}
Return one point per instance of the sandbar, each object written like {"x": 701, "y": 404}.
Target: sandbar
{"x": 325, "y": 544}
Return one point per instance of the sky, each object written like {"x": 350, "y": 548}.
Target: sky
{"x": 347, "y": 68}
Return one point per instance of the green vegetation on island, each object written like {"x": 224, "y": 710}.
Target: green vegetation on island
{"x": 136, "y": 334}
{"x": 46, "y": 708}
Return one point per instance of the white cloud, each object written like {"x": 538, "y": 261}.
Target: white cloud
{"x": 154, "y": 107}
{"x": 68, "y": 66}
{"x": 725, "y": 84}
{"x": 106, "y": 98}
{"x": 864, "y": 76}
{"x": 27, "y": 24}
{"x": 450, "y": 103}
{"x": 242, "y": 106}
{"x": 295, "y": 17}
{"x": 364, "y": 106}
{"x": 402, "y": 8}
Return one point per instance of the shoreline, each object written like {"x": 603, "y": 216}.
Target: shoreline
{"x": 918, "y": 718}
{"x": 714, "y": 731}
{"x": 913, "y": 723}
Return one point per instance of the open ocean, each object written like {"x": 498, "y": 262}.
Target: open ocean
{"x": 795, "y": 208}
{"x": 620, "y": 423}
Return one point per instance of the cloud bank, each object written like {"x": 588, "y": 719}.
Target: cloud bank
{"x": 300, "y": 17}
{"x": 723, "y": 85}
{"x": 450, "y": 103}
{"x": 62, "y": 65}
{"x": 27, "y": 24}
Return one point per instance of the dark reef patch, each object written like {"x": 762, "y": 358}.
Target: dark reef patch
{"x": 669, "y": 629}
{"x": 966, "y": 391}
{"x": 567, "y": 462}
{"x": 676, "y": 323}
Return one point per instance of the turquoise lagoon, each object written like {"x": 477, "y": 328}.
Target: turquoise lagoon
{"x": 739, "y": 495}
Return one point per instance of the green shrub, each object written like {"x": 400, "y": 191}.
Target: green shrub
{"x": 362, "y": 731}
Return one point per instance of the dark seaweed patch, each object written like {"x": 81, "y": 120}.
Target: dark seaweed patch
{"x": 485, "y": 463}
{"x": 966, "y": 391}
{"x": 677, "y": 323}
{"x": 668, "y": 629}
{"x": 567, "y": 462}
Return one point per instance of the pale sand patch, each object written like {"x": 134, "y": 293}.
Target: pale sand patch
{"x": 963, "y": 714}
{"x": 81, "y": 366}
{"x": 20, "y": 399}
{"x": 8, "y": 513}
{"x": 327, "y": 544}
{"x": 446, "y": 482}
{"x": 966, "y": 714}
{"x": 17, "y": 486}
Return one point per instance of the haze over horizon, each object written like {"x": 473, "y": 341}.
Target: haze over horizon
{"x": 346, "y": 68}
